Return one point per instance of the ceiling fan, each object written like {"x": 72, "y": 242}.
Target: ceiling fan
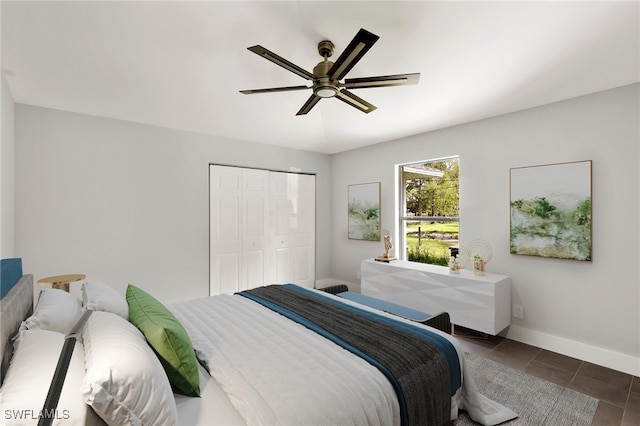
{"x": 326, "y": 75}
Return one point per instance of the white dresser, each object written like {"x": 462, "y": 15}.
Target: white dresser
{"x": 481, "y": 303}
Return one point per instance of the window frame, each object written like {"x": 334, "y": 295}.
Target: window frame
{"x": 401, "y": 251}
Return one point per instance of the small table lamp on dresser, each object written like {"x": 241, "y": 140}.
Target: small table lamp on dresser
{"x": 61, "y": 281}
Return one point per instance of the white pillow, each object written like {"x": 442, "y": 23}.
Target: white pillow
{"x": 125, "y": 382}
{"x": 56, "y": 310}
{"x": 102, "y": 297}
{"x": 29, "y": 376}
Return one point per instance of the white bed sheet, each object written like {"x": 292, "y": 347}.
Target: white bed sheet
{"x": 213, "y": 408}
{"x": 275, "y": 371}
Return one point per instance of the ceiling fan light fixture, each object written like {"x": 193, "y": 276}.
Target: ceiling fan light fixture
{"x": 326, "y": 91}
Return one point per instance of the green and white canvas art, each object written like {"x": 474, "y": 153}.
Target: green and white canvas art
{"x": 551, "y": 210}
{"x": 364, "y": 211}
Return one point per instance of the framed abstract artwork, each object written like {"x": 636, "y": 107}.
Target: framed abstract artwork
{"x": 551, "y": 210}
{"x": 364, "y": 211}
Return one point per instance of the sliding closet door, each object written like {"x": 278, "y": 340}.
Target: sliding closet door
{"x": 262, "y": 228}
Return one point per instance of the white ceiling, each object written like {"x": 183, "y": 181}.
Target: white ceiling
{"x": 181, "y": 64}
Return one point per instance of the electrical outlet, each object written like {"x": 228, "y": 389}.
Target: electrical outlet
{"x": 518, "y": 311}
{"x": 358, "y": 274}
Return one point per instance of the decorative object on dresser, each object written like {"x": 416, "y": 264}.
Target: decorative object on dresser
{"x": 478, "y": 264}
{"x": 454, "y": 265}
{"x": 480, "y": 303}
{"x": 388, "y": 245}
{"x": 479, "y": 252}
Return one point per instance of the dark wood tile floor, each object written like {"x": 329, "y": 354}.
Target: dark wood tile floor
{"x": 619, "y": 393}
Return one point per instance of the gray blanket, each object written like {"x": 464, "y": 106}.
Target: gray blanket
{"x": 416, "y": 367}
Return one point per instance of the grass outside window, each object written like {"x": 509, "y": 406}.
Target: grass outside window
{"x": 432, "y": 244}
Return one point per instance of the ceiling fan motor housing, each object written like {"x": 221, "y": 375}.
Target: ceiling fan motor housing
{"x": 322, "y": 86}
{"x": 322, "y": 68}
{"x": 325, "y": 48}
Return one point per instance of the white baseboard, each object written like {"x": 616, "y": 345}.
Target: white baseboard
{"x": 593, "y": 354}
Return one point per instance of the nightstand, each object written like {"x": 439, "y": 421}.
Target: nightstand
{"x": 61, "y": 281}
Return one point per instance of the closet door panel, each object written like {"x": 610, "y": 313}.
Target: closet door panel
{"x": 305, "y": 231}
{"x": 283, "y": 266}
{"x": 254, "y": 269}
{"x": 228, "y": 279}
{"x": 303, "y": 267}
{"x": 255, "y": 240}
{"x": 280, "y": 233}
{"x": 224, "y": 229}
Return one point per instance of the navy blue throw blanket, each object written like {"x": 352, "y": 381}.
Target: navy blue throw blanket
{"x": 421, "y": 365}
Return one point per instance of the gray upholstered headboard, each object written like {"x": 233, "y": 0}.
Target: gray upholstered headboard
{"x": 15, "y": 307}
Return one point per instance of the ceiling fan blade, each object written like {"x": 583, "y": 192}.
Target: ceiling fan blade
{"x": 274, "y": 89}
{"x": 278, "y": 60}
{"x": 354, "y": 101}
{"x": 311, "y": 102}
{"x": 382, "y": 81}
{"x": 361, "y": 43}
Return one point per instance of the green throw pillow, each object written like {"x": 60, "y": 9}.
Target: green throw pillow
{"x": 168, "y": 338}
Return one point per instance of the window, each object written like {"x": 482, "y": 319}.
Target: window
{"x": 429, "y": 211}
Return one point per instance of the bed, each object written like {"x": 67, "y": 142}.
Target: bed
{"x": 16, "y": 304}
{"x": 248, "y": 358}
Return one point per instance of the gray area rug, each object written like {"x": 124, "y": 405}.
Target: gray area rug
{"x": 537, "y": 401}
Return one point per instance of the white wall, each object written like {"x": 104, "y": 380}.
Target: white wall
{"x": 586, "y": 309}
{"x": 124, "y": 202}
{"x": 129, "y": 203}
{"x": 7, "y": 147}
